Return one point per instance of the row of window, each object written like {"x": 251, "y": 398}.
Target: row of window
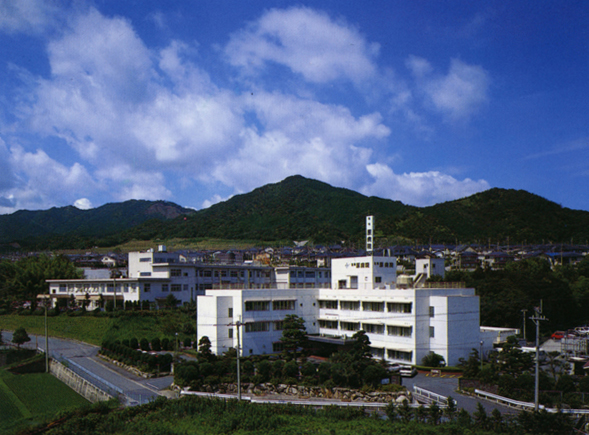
{"x": 367, "y": 265}
{"x": 97, "y": 288}
{"x": 263, "y": 326}
{"x": 307, "y": 274}
{"x": 223, "y": 273}
{"x": 265, "y": 305}
{"x": 391, "y": 307}
{"x": 371, "y": 328}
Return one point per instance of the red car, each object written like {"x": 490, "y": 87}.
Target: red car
{"x": 558, "y": 335}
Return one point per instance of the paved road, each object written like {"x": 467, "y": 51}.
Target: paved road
{"x": 83, "y": 359}
{"x": 447, "y": 386}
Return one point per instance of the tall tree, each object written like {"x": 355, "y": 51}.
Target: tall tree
{"x": 294, "y": 334}
{"x": 31, "y": 273}
{"x": 20, "y": 336}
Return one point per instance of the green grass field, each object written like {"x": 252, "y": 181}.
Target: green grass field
{"x": 31, "y": 398}
{"x": 94, "y": 330}
{"x": 88, "y": 328}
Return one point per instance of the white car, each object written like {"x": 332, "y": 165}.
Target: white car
{"x": 408, "y": 372}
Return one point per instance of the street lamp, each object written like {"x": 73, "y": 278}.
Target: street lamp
{"x": 481, "y": 354}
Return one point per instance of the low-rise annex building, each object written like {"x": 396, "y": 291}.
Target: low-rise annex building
{"x": 404, "y": 324}
{"x": 153, "y": 275}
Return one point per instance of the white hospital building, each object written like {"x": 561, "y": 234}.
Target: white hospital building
{"x": 404, "y": 323}
{"x": 405, "y": 317}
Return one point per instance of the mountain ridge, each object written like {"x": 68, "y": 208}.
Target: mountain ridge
{"x": 298, "y": 208}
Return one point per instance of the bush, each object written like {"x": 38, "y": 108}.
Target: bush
{"x": 144, "y": 344}
{"x": 433, "y": 360}
{"x": 156, "y": 344}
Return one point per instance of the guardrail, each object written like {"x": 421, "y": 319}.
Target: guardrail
{"x": 518, "y": 404}
{"x": 430, "y": 397}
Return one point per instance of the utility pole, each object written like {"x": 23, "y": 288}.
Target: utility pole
{"x": 238, "y": 324}
{"x": 537, "y": 318}
{"x": 46, "y": 340}
{"x": 524, "y": 311}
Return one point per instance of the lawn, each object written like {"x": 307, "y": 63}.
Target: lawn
{"x": 28, "y": 399}
{"x": 94, "y": 330}
{"x": 88, "y": 329}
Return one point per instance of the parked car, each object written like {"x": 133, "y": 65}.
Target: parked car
{"x": 558, "y": 335}
{"x": 395, "y": 367}
{"x": 408, "y": 372}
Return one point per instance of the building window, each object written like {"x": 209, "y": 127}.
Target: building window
{"x": 432, "y": 332}
{"x": 377, "y": 279}
{"x": 165, "y": 287}
{"x": 257, "y": 327}
{"x": 145, "y": 259}
{"x": 176, "y": 287}
{"x": 373, "y": 306}
{"x": 371, "y": 328}
{"x": 175, "y": 272}
{"x": 377, "y": 352}
{"x": 208, "y": 274}
{"x": 278, "y": 325}
{"x": 399, "y": 355}
{"x": 283, "y": 305}
{"x": 350, "y": 326}
{"x": 62, "y": 288}
{"x": 144, "y": 273}
{"x": 277, "y": 346}
{"x": 399, "y": 331}
{"x": 309, "y": 274}
{"x": 328, "y": 324}
{"x": 230, "y": 332}
{"x": 230, "y": 312}
{"x": 432, "y": 311}
{"x": 350, "y": 305}
{"x": 399, "y": 307}
{"x": 329, "y": 305}
{"x": 146, "y": 288}
{"x": 257, "y": 305}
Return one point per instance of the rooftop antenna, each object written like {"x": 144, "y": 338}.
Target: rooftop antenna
{"x": 369, "y": 234}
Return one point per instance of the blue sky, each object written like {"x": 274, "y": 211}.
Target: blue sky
{"x": 193, "y": 102}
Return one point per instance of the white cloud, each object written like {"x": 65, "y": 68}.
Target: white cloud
{"x": 419, "y": 189}
{"x": 42, "y": 182}
{"x": 308, "y": 42}
{"x": 461, "y": 92}
{"x": 139, "y": 117}
{"x": 214, "y": 200}
{"x": 458, "y": 94}
{"x": 28, "y": 16}
{"x": 419, "y": 66}
{"x": 300, "y": 137}
{"x": 83, "y": 204}
{"x": 133, "y": 183}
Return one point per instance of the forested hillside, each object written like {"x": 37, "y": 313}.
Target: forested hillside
{"x": 298, "y": 208}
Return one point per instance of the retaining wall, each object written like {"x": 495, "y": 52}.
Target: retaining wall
{"x": 77, "y": 383}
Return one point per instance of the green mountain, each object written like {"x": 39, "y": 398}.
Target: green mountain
{"x": 298, "y": 208}
{"x": 25, "y": 225}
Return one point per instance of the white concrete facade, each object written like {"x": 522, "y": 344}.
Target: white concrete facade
{"x": 403, "y": 325}
{"x": 152, "y": 276}
{"x": 260, "y": 312}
